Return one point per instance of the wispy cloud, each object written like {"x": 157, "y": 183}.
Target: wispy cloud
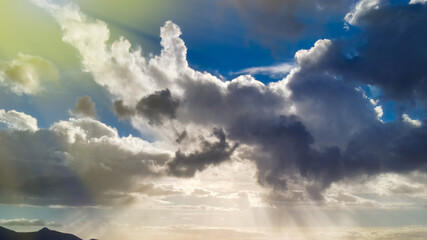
{"x": 274, "y": 71}
{"x": 23, "y": 222}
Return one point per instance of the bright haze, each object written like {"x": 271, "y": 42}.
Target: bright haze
{"x": 228, "y": 119}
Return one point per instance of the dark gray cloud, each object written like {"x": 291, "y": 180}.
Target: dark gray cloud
{"x": 396, "y": 40}
{"x": 392, "y": 55}
{"x": 181, "y": 136}
{"x": 331, "y": 109}
{"x": 339, "y": 136}
{"x": 335, "y": 133}
{"x": 155, "y": 107}
{"x": 317, "y": 145}
{"x": 121, "y": 110}
{"x": 85, "y": 107}
{"x": 211, "y": 153}
{"x": 284, "y": 140}
{"x": 283, "y": 146}
{"x": 205, "y": 102}
{"x": 349, "y": 141}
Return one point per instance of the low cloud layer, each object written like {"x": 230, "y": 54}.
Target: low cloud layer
{"x": 75, "y": 162}
{"x": 23, "y": 222}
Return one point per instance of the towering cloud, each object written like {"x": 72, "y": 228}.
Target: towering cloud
{"x": 313, "y": 128}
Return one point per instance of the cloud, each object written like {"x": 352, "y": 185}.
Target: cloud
{"x": 121, "y": 110}
{"x": 360, "y": 9}
{"x": 304, "y": 133}
{"x": 79, "y": 162}
{"x": 186, "y": 165}
{"x": 417, "y": 1}
{"x": 158, "y": 105}
{"x": 275, "y": 71}
{"x": 326, "y": 104}
{"x": 23, "y": 222}
{"x": 26, "y": 74}
{"x": 84, "y": 108}
{"x": 155, "y": 107}
{"x": 18, "y": 120}
{"x": 108, "y": 65}
{"x": 380, "y": 112}
{"x": 380, "y": 62}
{"x": 413, "y": 122}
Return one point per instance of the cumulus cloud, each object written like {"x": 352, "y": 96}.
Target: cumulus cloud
{"x": 305, "y": 132}
{"x": 84, "y": 108}
{"x": 325, "y": 103}
{"x": 23, "y": 222}
{"x": 76, "y": 162}
{"x": 26, "y": 74}
{"x": 388, "y": 65}
{"x": 360, "y": 9}
{"x": 413, "y": 122}
{"x": 18, "y": 120}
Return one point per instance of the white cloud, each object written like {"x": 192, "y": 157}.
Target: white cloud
{"x": 306, "y": 57}
{"x": 417, "y": 1}
{"x": 18, "y": 120}
{"x": 26, "y": 74}
{"x": 23, "y": 222}
{"x": 413, "y": 122}
{"x": 360, "y": 9}
{"x": 379, "y": 111}
{"x": 118, "y": 67}
{"x": 374, "y": 102}
{"x": 278, "y": 70}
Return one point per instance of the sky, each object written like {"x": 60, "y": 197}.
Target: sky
{"x": 227, "y": 119}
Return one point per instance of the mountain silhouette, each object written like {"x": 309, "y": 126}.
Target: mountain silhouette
{"x": 42, "y": 234}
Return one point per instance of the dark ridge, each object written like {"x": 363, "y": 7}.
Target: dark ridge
{"x": 42, "y": 234}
